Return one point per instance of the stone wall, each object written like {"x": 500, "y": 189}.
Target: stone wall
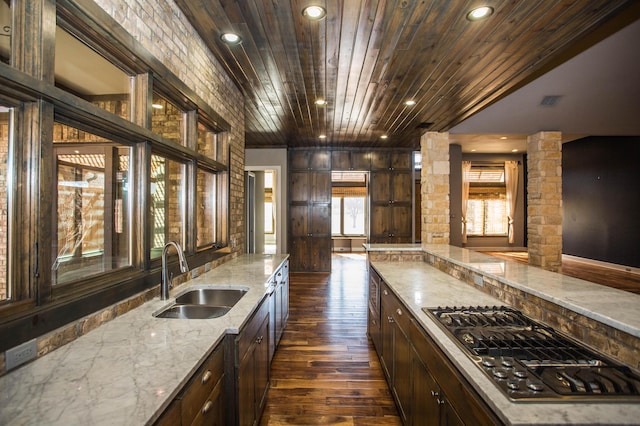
{"x": 544, "y": 200}
{"x": 435, "y": 188}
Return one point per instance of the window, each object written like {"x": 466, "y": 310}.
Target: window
{"x": 487, "y": 204}
{"x": 167, "y": 119}
{"x": 82, "y": 71}
{"x": 348, "y": 211}
{"x": 6, "y": 18}
{"x": 6, "y": 115}
{"x": 91, "y": 230}
{"x": 167, "y": 203}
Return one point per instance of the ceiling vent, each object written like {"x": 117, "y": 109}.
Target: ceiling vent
{"x": 424, "y": 125}
{"x": 550, "y": 100}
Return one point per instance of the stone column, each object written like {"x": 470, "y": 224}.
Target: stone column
{"x": 434, "y": 184}
{"x": 544, "y": 200}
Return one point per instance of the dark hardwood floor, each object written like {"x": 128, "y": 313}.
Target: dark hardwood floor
{"x": 627, "y": 281}
{"x": 325, "y": 371}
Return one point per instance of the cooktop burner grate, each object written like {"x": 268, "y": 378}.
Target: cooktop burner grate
{"x": 531, "y": 361}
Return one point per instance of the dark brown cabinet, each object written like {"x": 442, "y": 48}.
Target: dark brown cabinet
{"x": 279, "y": 310}
{"x": 310, "y": 211}
{"x": 395, "y": 354}
{"x": 202, "y": 400}
{"x": 252, "y": 355}
{"x": 373, "y": 326}
{"x": 350, "y": 160}
{"x": 427, "y": 388}
{"x": 391, "y": 189}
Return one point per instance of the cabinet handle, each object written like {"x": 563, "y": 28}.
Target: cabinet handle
{"x": 399, "y": 312}
{"x": 440, "y": 401}
{"x": 259, "y": 339}
{"x": 206, "y": 376}
{"x": 390, "y": 319}
{"x": 386, "y": 293}
{"x": 435, "y": 394}
{"x": 207, "y": 406}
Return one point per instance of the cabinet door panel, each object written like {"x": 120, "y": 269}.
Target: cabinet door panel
{"x": 299, "y": 254}
{"x": 320, "y": 254}
{"x": 261, "y": 358}
{"x": 298, "y": 220}
{"x": 402, "y": 370}
{"x": 401, "y": 220}
{"x": 340, "y": 160}
{"x": 360, "y": 161}
{"x": 246, "y": 390}
{"x": 380, "y": 187}
{"x": 299, "y": 187}
{"x": 402, "y": 187}
{"x": 320, "y": 160}
{"x": 299, "y": 160}
{"x": 320, "y": 220}
{"x": 320, "y": 187}
{"x": 401, "y": 160}
{"x": 380, "y": 221}
{"x": 425, "y": 407}
{"x": 380, "y": 160}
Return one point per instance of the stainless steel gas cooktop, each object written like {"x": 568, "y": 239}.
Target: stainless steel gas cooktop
{"x": 529, "y": 361}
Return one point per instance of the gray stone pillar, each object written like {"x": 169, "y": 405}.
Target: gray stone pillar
{"x": 544, "y": 200}
{"x": 434, "y": 184}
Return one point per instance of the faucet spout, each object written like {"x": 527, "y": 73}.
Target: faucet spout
{"x": 165, "y": 285}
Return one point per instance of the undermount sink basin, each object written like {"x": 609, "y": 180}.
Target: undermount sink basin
{"x": 211, "y": 297}
{"x": 202, "y": 303}
{"x": 193, "y": 312}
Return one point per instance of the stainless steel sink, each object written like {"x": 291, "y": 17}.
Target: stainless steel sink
{"x": 192, "y": 312}
{"x": 211, "y": 297}
{"x": 202, "y": 303}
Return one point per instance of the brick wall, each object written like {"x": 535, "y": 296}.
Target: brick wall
{"x": 161, "y": 28}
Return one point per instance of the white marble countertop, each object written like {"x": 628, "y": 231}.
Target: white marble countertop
{"x": 128, "y": 370}
{"x": 419, "y": 285}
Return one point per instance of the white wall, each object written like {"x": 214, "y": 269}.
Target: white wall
{"x": 273, "y": 159}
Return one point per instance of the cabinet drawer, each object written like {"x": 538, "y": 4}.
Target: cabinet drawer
{"x": 201, "y": 386}
{"x": 212, "y": 411}
{"x": 394, "y": 308}
{"x": 248, "y": 335}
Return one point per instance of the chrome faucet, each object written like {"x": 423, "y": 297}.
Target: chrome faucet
{"x": 165, "y": 285}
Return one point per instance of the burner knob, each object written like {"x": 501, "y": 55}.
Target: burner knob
{"x": 520, "y": 373}
{"x": 535, "y": 385}
{"x": 507, "y": 361}
{"x": 488, "y": 361}
{"x": 500, "y": 373}
{"x": 513, "y": 384}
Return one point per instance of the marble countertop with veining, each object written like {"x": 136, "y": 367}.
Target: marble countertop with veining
{"x": 616, "y": 308}
{"x": 419, "y": 285}
{"x": 128, "y": 370}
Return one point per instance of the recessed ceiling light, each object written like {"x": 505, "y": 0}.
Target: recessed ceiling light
{"x": 231, "y": 38}
{"x": 503, "y": 138}
{"x": 514, "y": 150}
{"x": 320, "y": 102}
{"x": 156, "y": 106}
{"x": 384, "y": 137}
{"x": 410, "y": 102}
{"x": 314, "y": 13}
{"x": 480, "y": 13}
{"x": 473, "y": 150}
{"x": 322, "y": 136}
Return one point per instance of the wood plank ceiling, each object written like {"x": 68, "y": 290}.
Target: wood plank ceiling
{"x": 367, "y": 57}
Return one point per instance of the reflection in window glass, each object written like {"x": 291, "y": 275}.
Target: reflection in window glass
{"x": 5, "y": 164}
{"x": 206, "y": 141}
{"x": 6, "y": 15}
{"x": 83, "y": 72}
{"x": 353, "y": 215}
{"x": 166, "y": 119}
{"x": 206, "y": 209}
{"x": 92, "y": 205}
{"x": 336, "y": 215}
{"x": 167, "y": 203}
{"x": 487, "y": 217}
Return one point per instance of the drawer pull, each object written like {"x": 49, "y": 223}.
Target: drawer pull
{"x": 207, "y": 406}
{"x": 206, "y": 376}
{"x": 390, "y": 319}
{"x": 435, "y": 394}
{"x": 386, "y": 293}
{"x": 259, "y": 339}
{"x": 399, "y": 312}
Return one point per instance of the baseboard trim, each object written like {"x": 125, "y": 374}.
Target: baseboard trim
{"x": 600, "y": 263}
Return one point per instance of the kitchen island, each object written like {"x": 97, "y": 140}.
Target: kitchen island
{"x": 418, "y": 284}
{"x": 127, "y": 371}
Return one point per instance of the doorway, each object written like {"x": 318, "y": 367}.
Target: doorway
{"x": 262, "y": 212}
